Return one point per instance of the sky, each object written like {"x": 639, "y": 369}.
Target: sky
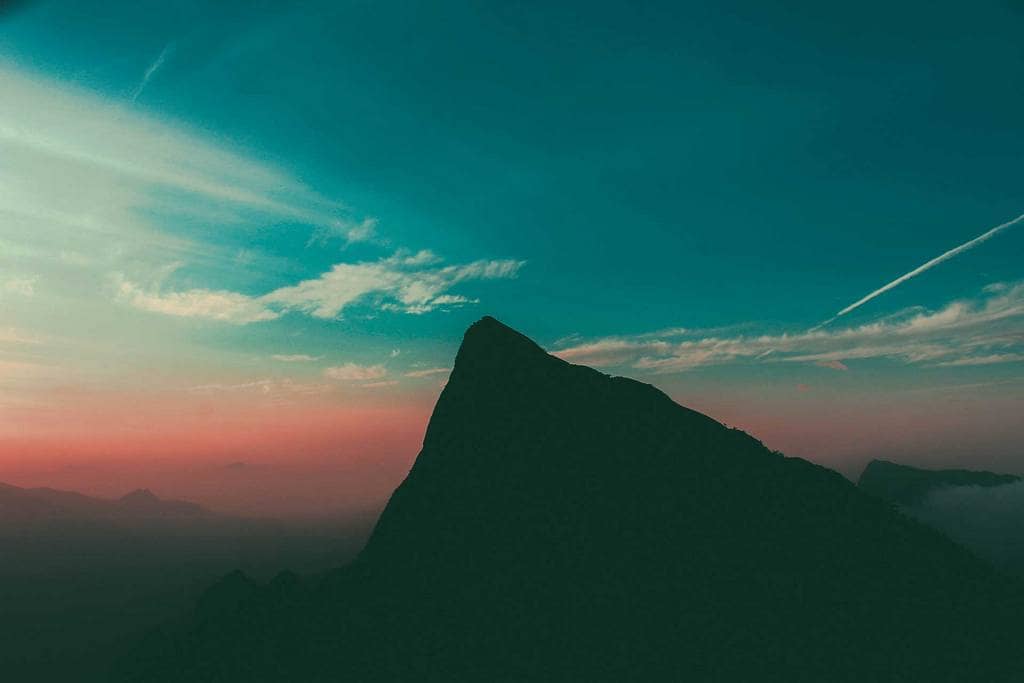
{"x": 240, "y": 242}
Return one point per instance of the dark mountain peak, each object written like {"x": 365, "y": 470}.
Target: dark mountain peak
{"x": 908, "y": 485}
{"x": 488, "y": 325}
{"x": 490, "y": 346}
{"x": 561, "y": 524}
{"x": 144, "y": 502}
{"x": 140, "y": 497}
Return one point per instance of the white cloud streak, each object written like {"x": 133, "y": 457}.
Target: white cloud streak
{"x": 105, "y": 207}
{"x": 281, "y": 391}
{"x": 402, "y": 282}
{"x": 984, "y": 331}
{"x": 407, "y": 283}
{"x": 224, "y": 306}
{"x": 970, "y": 244}
{"x": 348, "y": 231}
{"x": 107, "y": 188}
{"x": 353, "y": 372}
{"x": 51, "y": 132}
{"x": 430, "y": 372}
{"x": 380, "y": 385}
{"x": 985, "y": 360}
{"x": 152, "y": 69}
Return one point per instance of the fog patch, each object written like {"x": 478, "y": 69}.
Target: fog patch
{"x": 988, "y": 520}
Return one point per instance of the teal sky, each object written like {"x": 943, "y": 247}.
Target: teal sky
{"x": 302, "y": 208}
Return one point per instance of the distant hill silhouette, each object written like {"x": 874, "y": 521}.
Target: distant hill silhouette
{"x": 20, "y": 506}
{"x": 563, "y": 525}
{"x": 81, "y": 576}
{"x": 982, "y": 510}
{"x": 907, "y": 485}
{"x": 145, "y": 502}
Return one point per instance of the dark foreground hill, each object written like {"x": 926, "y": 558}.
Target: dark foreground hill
{"x": 907, "y": 485}
{"x": 563, "y": 525}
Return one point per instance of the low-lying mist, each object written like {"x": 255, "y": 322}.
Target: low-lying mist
{"x": 989, "y": 520}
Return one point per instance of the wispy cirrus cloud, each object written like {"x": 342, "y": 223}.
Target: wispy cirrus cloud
{"x": 380, "y": 385}
{"x": 409, "y": 283}
{"x": 429, "y": 372}
{"x": 295, "y": 357}
{"x": 942, "y": 258}
{"x": 133, "y": 155}
{"x": 403, "y": 282}
{"x": 151, "y": 70}
{"x": 112, "y": 186}
{"x": 261, "y": 385}
{"x": 986, "y": 330}
{"x": 348, "y": 231}
{"x": 275, "y": 391}
{"x": 111, "y": 216}
{"x": 353, "y": 372}
{"x": 224, "y": 306}
{"x": 991, "y": 359}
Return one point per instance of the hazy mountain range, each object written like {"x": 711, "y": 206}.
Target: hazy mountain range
{"x": 82, "y": 576}
{"x": 31, "y": 506}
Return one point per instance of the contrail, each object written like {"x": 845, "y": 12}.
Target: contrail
{"x": 927, "y": 266}
{"x": 153, "y": 68}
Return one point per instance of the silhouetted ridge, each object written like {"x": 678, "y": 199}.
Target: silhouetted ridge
{"x": 22, "y": 508}
{"x": 490, "y": 347}
{"x": 907, "y": 485}
{"x": 507, "y": 436}
{"x": 140, "y": 496}
{"x": 563, "y": 525}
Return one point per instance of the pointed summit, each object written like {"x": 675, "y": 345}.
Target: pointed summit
{"x": 491, "y": 332}
{"x": 490, "y": 347}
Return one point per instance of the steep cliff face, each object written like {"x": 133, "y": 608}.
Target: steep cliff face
{"x": 561, "y": 524}
{"x": 552, "y": 499}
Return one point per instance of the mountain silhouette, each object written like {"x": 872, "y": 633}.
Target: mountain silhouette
{"x": 143, "y": 497}
{"x": 560, "y": 524}
{"x": 982, "y": 510}
{"x": 145, "y": 502}
{"x": 907, "y": 485}
{"x": 29, "y": 506}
